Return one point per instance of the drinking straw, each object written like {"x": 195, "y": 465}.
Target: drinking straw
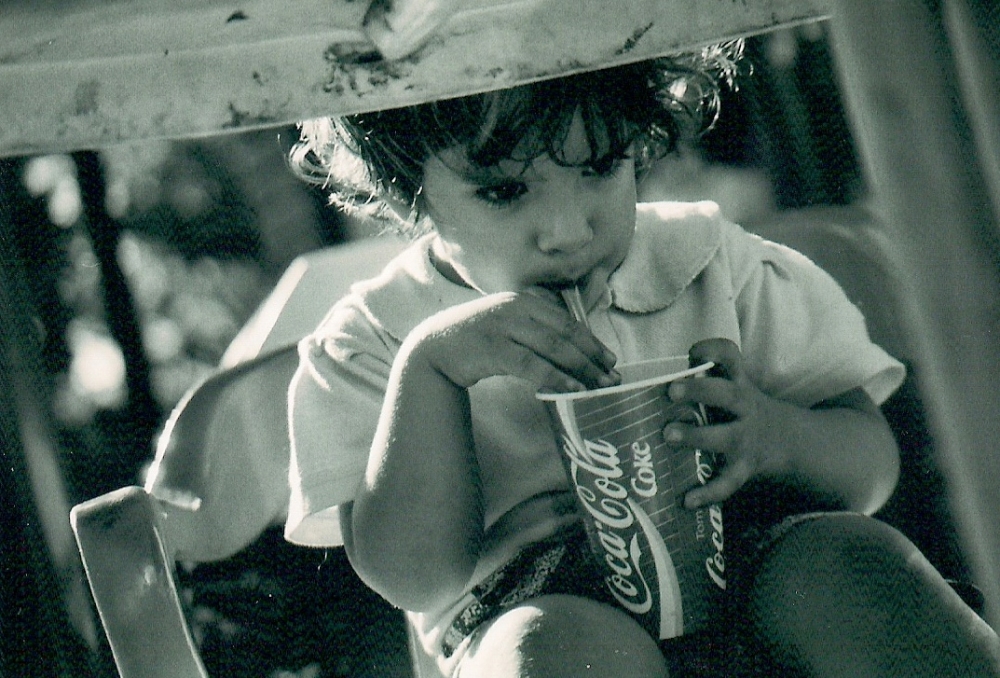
{"x": 571, "y": 295}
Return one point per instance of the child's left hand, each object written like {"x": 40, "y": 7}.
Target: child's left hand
{"x": 742, "y": 438}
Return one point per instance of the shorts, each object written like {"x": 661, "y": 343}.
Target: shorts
{"x": 564, "y": 564}
{"x": 561, "y": 564}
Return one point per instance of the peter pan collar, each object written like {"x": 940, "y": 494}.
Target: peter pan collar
{"x": 673, "y": 243}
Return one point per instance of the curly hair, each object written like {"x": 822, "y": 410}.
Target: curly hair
{"x": 645, "y": 108}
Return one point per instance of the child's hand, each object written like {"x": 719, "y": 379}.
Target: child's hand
{"x": 741, "y": 436}
{"x": 526, "y": 335}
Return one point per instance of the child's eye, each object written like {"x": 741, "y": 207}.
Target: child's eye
{"x": 502, "y": 194}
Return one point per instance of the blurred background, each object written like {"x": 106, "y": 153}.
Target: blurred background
{"x": 128, "y": 271}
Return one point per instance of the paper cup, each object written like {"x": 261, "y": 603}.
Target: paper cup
{"x": 663, "y": 563}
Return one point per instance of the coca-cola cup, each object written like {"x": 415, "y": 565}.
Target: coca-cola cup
{"x": 663, "y": 563}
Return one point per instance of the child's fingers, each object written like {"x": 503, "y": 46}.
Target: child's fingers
{"x": 556, "y": 335}
{"x": 524, "y": 336}
{"x": 518, "y": 335}
{"x": 721, "y": 438}
{"x": 548, "y": 349}
{"x": 565, "y": 327}
{"x": 723, "y": 352}
{"x": 710, "y": 391}
{"x": 730, "y": 478}
{"x": 548, "y": 377}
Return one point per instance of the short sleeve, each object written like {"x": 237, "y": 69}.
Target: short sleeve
{"x": 804, "y": 338}
{"x": 334, "y": 403}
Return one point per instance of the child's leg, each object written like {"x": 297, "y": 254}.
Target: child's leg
{"x": 561, "y": 635}
{"x": 846, "y": 595}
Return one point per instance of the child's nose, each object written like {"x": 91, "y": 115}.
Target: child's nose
{"x": 567, "y": 230}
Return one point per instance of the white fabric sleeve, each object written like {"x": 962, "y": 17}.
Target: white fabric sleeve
{"x": 334, "y": 403}
{"x": 803, "y": 340}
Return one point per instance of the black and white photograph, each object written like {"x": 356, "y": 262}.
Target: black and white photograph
{"x": 500, "y": 338}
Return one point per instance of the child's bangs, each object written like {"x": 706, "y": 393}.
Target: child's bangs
{"x": 525, "y": 123}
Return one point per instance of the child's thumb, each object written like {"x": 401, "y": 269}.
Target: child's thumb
{"x": 723, "y": 352}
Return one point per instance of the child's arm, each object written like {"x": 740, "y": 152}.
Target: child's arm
{"x": 414, "y": 530}
{"x": 841, "y": 447}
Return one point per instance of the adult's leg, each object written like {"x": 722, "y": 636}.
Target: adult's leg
{"x": 560, "y": 635}
{"x": 847, "y": 595}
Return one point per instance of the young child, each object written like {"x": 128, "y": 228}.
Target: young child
{"x": 416, "y": 431}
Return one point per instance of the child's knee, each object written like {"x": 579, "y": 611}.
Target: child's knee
{"x": 832, "y": 558}
{"x": 563, "y": 636}
{"x": 833, "y": 549}
{"x": 843, "y": 594}
{"x": 840, "y": 573}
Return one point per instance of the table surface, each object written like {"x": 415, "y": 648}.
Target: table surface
{"x": 80, "y": 74}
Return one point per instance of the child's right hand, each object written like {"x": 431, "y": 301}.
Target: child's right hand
{"x": 528, "y": 335}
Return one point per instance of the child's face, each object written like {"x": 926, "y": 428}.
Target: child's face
{"x": 508, "y": 228}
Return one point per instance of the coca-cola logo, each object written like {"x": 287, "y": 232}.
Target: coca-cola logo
{"x": 615, "y": 485}
{"x": 715, "y": 564}
{"x": 644, "y": 478}
{"x": 604, "y": 497}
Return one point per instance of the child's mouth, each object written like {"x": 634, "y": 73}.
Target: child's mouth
{"x": 570, "y": 293}
{"x": 560, "y": 285}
